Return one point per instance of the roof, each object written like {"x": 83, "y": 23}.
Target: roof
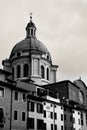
{"x": 25, "y": 86}
{"x": 30, "y": 24}
{"x": 58, "y": 83}
{"x": 79, "y": 83}
{"x": 30, "y": 43}
{"x": 5, "y": 72}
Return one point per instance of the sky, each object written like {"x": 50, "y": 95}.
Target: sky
{"x": 61, "y": 26}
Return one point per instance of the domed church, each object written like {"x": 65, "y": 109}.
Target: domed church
{"x": 30, "y": 60}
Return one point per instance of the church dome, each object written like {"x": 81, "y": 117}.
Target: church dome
{"x": 30, "y": 44}
{"x": 30, "y": 60}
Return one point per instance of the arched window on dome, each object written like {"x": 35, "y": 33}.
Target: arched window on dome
{"x": 26, "y": 70}
{"x": 13, "y": 73}
{"x": 18, "y": 71}
{"x": 47, "y": 74}
{"x": 31, "y": 32}
{"x": 42, "y": 72}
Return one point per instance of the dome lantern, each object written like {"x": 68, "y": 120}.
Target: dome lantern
{"x": 31, "y": 28}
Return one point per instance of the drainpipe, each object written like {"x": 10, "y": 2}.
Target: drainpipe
{"x": 53, "y": 117}
{"x": 11, "y": 111}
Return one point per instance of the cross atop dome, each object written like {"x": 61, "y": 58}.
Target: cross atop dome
{"x": 30, "y": 16}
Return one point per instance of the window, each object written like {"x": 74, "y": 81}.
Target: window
{"x": 51, "y": 126}
{"x": 28, "y": 32}
{"x": 73, "y": 120}
{"x": 42, "y": 72}
{"x": 32, "y": 32}
{"x": 16, "y": 95}
{"x": 61, "y": 127}
{"x": 39, "y": 124}
{"x": 47, "y": 74}
{"x": 44, "y": 113}
{"x": 1, "y": 92}
{"x": 30, "y": 123}
{"x": 51, "y": 115}
{"x": 61, "y": 117}
{"x": 18, "y": 54}
{"x": 39, "y": 108}
{"x": 55, "y": 115}
{"x": 65, "y": 117}
{"x": 18, "y": 71}
{"x": 1, "y": 117}
{"x": 26, "y": 70}
{"x": 24, "y": 96}
{"x": 13, "y": 73}
{"x": 48, "y": 57}
{"x": 44, "y": 126}
{"x": 82, "y": 122}
{"x": 65, "y": 128}
{"x": 79, "y": 121}
{"x": 23, "y": 116}
{"x": 64, "y": 108}
{"x": 55, "y": 127}
{"x": 15, "y": 115}
{"x": 31, "y": 106}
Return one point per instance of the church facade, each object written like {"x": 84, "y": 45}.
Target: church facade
{"x": 30, "y": 96}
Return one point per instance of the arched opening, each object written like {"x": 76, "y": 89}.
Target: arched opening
{"x": 26, "y": 70}
{"x": 48, "y": 57}
{"x": 47, "y": 74}
{"x": 18, "y": 71}
{"x": 13, "y": 73}
{"x": 42, "y": 71}
{"x": 31, "y": 32}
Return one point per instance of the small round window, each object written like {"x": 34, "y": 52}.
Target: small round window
{"x": 18, "y": 54}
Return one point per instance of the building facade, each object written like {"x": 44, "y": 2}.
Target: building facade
{"x": 30, "y": 97}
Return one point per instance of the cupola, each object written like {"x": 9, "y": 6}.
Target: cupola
{"x": 30, "y": 29}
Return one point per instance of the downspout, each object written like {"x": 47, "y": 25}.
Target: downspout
{"x": 11, "y": 111}
{"x": 53, "y": 116}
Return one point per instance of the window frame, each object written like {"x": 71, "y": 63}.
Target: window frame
{"x": 16, "y": 118}
{"x": 25, "y": 70}
{"x": 18, "y": 71}
{"x": 47, "y": 73}
{"x": 42, "y": 72}
{"x": 16, "y": 99}
{"x": 32, "y": 124}
{"x": 31, "y": 106}
{"x": 39, "y": 108}
{"x": 2, "y": 92}
{"x": 23, "y": 116}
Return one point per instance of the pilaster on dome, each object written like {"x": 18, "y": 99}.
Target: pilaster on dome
{"x": 31, "y": 28}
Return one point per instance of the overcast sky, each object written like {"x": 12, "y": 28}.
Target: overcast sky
{"x": 61, "y": 26}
